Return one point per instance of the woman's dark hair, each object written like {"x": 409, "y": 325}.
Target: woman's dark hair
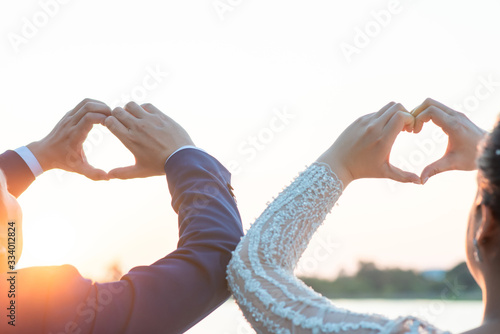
{"x": 489, "y": 170}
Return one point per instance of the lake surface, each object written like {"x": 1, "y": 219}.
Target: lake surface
{"x": 455, "y": 316}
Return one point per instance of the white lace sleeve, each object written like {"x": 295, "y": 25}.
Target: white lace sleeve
{"x": 260, "y": 274}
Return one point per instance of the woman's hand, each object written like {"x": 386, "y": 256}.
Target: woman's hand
{"x": 150, "y": 135}
{"x": 63, "y": 147}
{"x": 464, "y": 137}
{"x": 363, "y": 149}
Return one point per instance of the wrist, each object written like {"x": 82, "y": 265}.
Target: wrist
{"x": 179, "y": 148}
{"x": 337, "y": 166}
{"x": 40, "y": 151}
{"x": 342, "y": 174}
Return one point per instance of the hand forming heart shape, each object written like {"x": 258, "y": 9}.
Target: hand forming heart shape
{"x": 149, "y": 134}
{"x": 364, "y": 148}
{"x": 152, "y": 137}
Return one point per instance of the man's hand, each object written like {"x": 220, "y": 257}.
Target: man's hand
{"x": 63, "y": 149}
{"x": 150, "y": 135}
{"x": 464, "y": 137}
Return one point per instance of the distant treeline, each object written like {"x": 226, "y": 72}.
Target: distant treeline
{"x": 372, "y": 282}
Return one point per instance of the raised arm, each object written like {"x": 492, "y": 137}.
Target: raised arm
{"x": 260, "y": 273}
{"x": 179, "y": 290}
{"x": 168, "y": 296}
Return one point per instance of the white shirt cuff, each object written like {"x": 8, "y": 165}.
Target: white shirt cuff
{"x": 183, "y": 148}
{"x": 30, "y": 160}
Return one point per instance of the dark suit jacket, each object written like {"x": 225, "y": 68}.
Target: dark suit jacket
{"x": 169, "y": 296}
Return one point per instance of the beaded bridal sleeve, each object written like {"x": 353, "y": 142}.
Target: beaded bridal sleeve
{"x": 260, "y": 274}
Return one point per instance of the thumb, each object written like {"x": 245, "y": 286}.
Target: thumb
{"x": 125, "y": 173}
{"x": 91, "y": 172}
{"x": 400, "y": 175}
{"x": 442, "y": 165}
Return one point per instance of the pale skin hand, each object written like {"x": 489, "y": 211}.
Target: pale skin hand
{"x": 63, "y": 147}
{"x": 464, "y": 137}
{"x": 150, "y": 135}
{"x": 363, "y": 149}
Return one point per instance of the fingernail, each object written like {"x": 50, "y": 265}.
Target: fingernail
{"x": 425, "y": 180}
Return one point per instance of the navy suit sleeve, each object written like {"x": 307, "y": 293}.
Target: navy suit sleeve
{"x": 169, "y": 296}
{"x": 179, "y": 290}
{"x": 18, "y": 174}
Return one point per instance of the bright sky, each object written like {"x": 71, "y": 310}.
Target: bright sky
{"x": 225, "y": 69}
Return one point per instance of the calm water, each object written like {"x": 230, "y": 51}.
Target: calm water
{"x": 455, "y": 316}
